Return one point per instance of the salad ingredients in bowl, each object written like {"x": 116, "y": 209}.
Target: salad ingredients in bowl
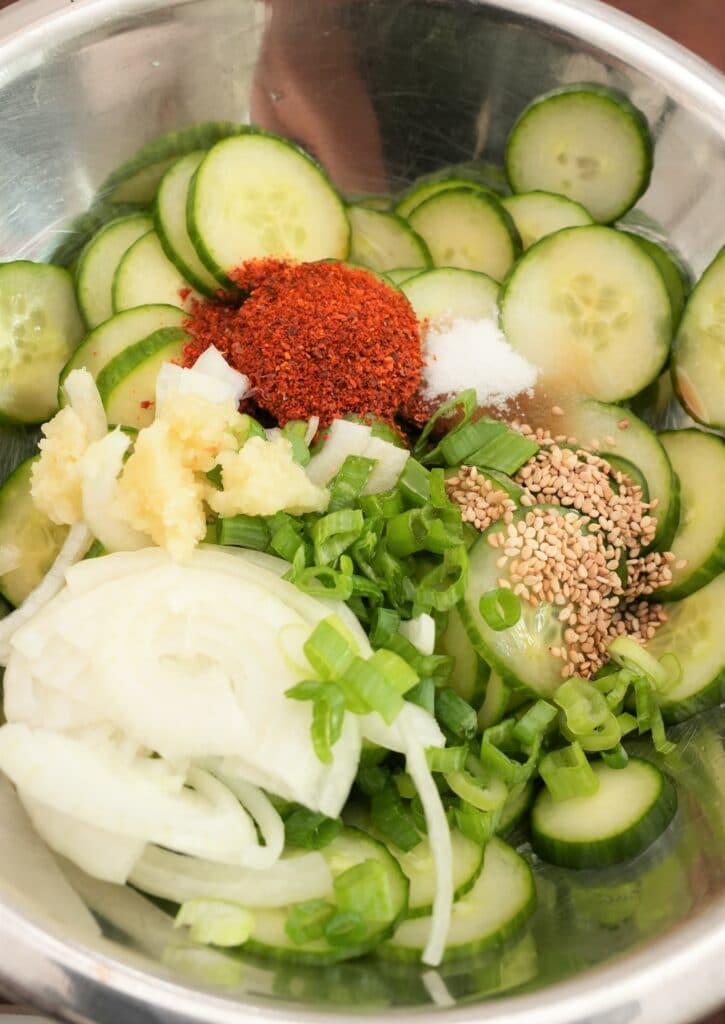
{"x": 343, "y": 559}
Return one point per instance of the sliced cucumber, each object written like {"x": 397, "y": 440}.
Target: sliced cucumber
{"x": 497, "y": 906}
{"x": 116, "y": 334}
{"x": 258, "y": 195}
{"x": 39, "y": 328}
{"x": 495, "y": 701}
{"x": 519, "y": 655}
{"x": 591, "y": 309}
{"x": 693, "y": 633}
{"x": 449, "y": 292}
{"x": 468, "y": 229}
{"x": 24, "y": 526}
{"x": 537, "y": 214}
{"x": 351, "y": 847}
{"x": 470, "y": 672}
{"x": 127, "y": 385}
{"x": 170, "y": 220}
{"x": 612, "y": 430}
{"x": 98, "y": 263}
{"x": 147, "y": 276}
{"x": 587, "y": 143}
{"x": 698, "y": 459}
{"x": 629, "y": 469}
{"x": 374, "y": 202}
{"x": 400, "y": 274}
{"x": 421, "y": 190}
{"x": 383, "y": 241}
{"x": 82, "y": 229}
{"x": 698, "y": 356}
{"x": 676, "y": 279}
{"x": 630, "y": 809}
{"x": 418, "y": 867}
{"x": 137, "y": 179}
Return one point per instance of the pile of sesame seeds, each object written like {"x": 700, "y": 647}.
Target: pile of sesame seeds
{"x": 573, "y": 556}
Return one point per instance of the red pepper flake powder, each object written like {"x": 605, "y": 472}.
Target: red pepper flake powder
{"x": 320, "y": 339}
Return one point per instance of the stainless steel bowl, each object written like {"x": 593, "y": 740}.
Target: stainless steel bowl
{"x": 381, "y": 90}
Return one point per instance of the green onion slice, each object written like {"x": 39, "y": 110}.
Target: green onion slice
{"x": 500, "y": 609}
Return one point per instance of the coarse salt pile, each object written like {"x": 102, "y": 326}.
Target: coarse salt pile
{"x": 462, "y": 353}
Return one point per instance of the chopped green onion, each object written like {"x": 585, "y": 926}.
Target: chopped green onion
{"x": 443, "y": 587}
{"x": 567, "y": 773}
{"x": 417, "y": 816}
{"x": 390, "y": 818}
{"x": 334, "y": 533}
{"x": 405, "y": 785}
{"x": 244, "y": 532}
{"x": 627, "y": 723}
{"x": 285, "y": 538}
{"x": 414, "y": 484}
{"x": 371, "y": 777}
{"x": 534, "y": 722}
{"x": 672, "y": 666}
{"x": 345, "y": 929}
{"x": 631, "y": 655}
{"x": 210, "y": 537}
{"x": 383, "y": 625}
{"x": 478, "y": 826}
{"x": 328, "y": 712}
{"x": 215, "y": 922}
{"x": 306, "y": 921}
{"x": 496, "y": 763}
{"x": 424, "y": 529}
{"x": 446, "y": 759}
{"x": 501, "y": 735}
{"x": 295, "y": 431}
{"x": 394, "y": 669}
{"x": 347, "y": 486}
{"x": 321, "y": 581}
{"x": 423, "y": 694}
{"x": 383, "y": 505}
{"x": 214, "y": 476}
{"x": 484, "y": 796}
{"x": 500, "y": 609}
{"x": 583, "y": 705}
{"x": 466, "y": 400}
{"x": 373, "y": 689}
{"x": 467, "y": 438}
{"x": 456, "y": 714}
{"x": 246, "y": 427}
{"x": 505, "y": 453}
{"x": 600, "y": 737}
{"x": 434, "y": 666}
{"x": 617, "y": 757}
{"x": 438, "y": 495}
{"x": 365, "y": 889}
{"x": 309, "y": 830}
{"x": 330, "y": 648}
{"x": 649, "y": 716}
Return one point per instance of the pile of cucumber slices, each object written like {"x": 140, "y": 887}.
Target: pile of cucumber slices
{"x": 604, "y": 312}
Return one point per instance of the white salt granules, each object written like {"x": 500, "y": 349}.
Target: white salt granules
{"x": 463, "y": 354}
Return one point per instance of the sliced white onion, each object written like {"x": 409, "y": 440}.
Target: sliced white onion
{"x": 101, "y": 466}
{"x": 390, "y": 463}
{"x": 213, "y": 364}
{"x": 268, "y": 820}
{"x": 210, "y": 377}
{"x": 439, "y": 837}
{"x": 421, "y": 632}
{"x": 174, "y": 877}
{"x": 75, "y": 546}
{"x": 343, "y": 438}
{"x": 313, "y": 425}
{"x": 82, "y": 393}
{"x": 105, "y": 855}
{"x": 10, "y": 558}
{"x": 411, "y": 722}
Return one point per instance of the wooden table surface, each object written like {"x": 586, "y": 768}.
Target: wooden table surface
{"x": 697, "y": 24}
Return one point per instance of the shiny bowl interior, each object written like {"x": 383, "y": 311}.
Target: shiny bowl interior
{"x": 381, "y": 91}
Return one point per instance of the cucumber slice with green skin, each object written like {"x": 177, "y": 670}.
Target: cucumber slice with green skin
{"x": 146, "y": 276}
{"x": 468, "y": 229}
{"x": 99, "y": 261}
{"x": 521, "y": 654}
{"x": 698, "y": 355}
{"x": 676, "y": 280}
{"x": 693, "y": 632}
{"x": 449, "y": 292}
{"x": 82, "y": 229}
{"x": 400, "y": 274}
{"x": 420, "y": 191}
{"x": 470, "y": 672}
{"x": 351, "y": 847}
{"x": 537, "y": 214}
{"x": 630, "y": 809}
{"x": 587, "y": 143}
{"x": 383, "y": 241}
{"x": 24, "y": 526}
{"x": 382, "y": 203}
{"x": 127, "y": 385}
{"x": 258, "y": 195}
{"x": 418, "y": 867}
{"x": 629, "y": 469}
{"x": 112, "y": 337}
{"x": 170, "y": 221}
{"x": 698, "y": 459}
{"x": 502, "y": 899}
{"x": 590, "y": 309}
{"x": 137, "y": 179}
{"x": 40, "y": 326}
{"x": 517, "y": 805}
